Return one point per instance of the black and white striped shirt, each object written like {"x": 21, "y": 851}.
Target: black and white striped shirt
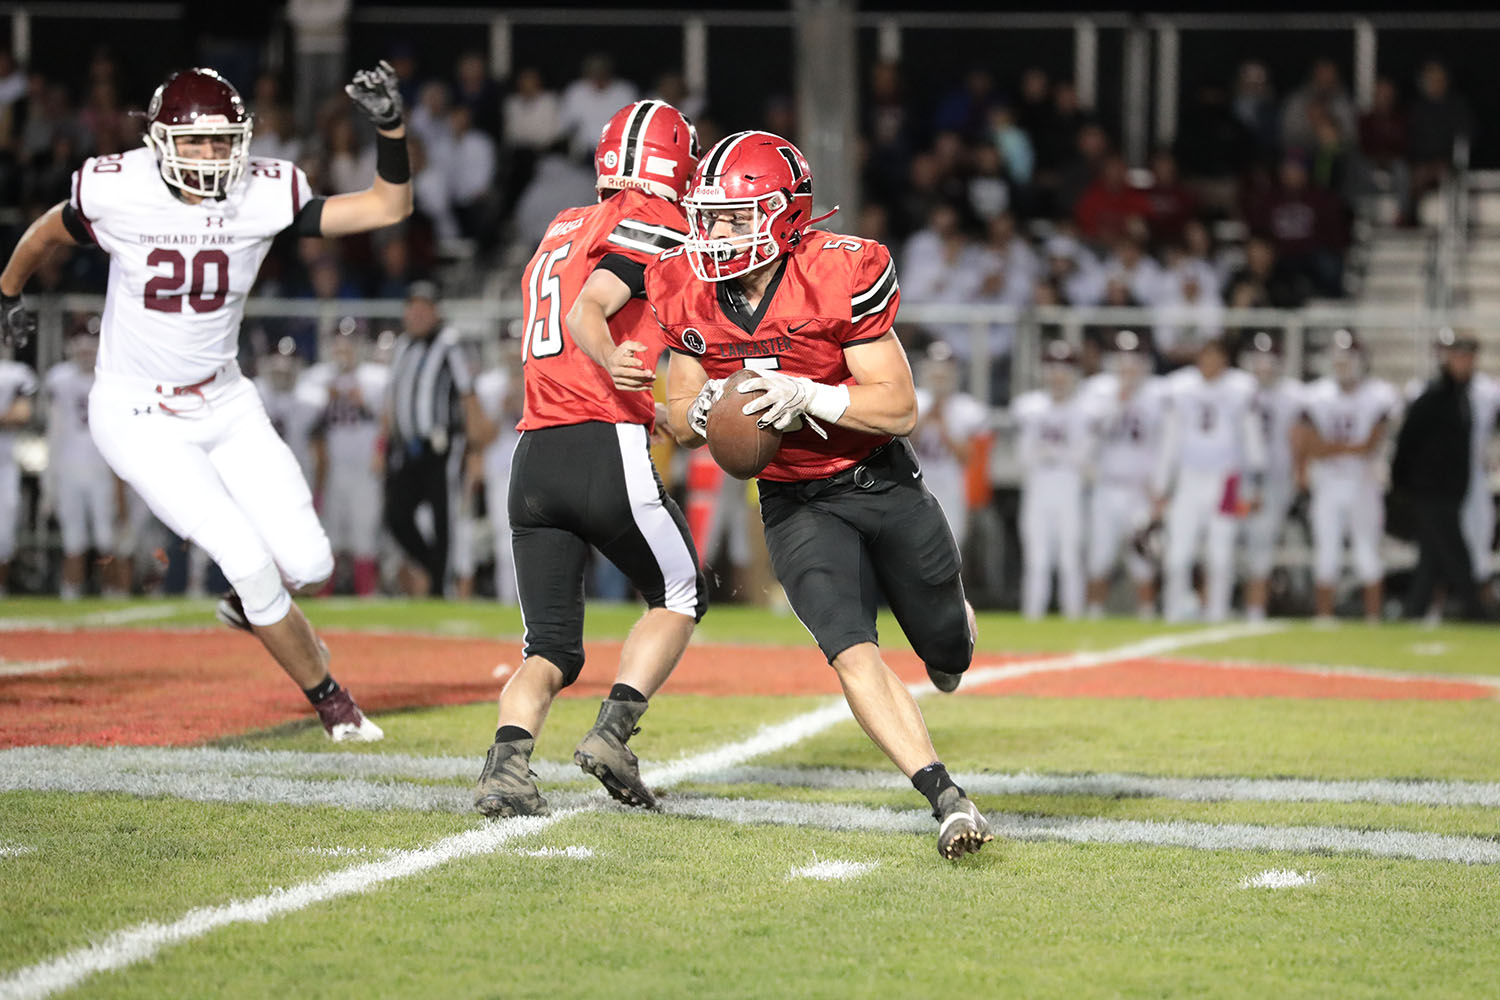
{"x": 429, "y": 378}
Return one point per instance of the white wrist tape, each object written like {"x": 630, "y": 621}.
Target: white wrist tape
{"x": 828, "y": 402}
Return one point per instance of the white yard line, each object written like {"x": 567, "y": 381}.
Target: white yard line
{"x": 23, "y": 668}
{"x": 1367, "y": 673}
{"x": 98, "y": 619}
{"x": 136, "y": 944}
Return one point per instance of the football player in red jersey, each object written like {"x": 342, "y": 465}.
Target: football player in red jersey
{"x": 846, "y": 514}
{"x": 582, "y": 474}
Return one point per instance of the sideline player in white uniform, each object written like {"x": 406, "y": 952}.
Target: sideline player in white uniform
{"x": 948, "y": 424}
{"x": 1348, "y": 416}
{"x": 292, "y": 411}
{"x": 1477, "y": 516}
{"x": 17, "y": 386}
{"x": 1128, "y": 409}
{"x": 1212, "y": 456}
{"x": 347, "y": 461}
{"x": 187, "y": 221}
{"x": 1055, "y": 446}
{"x": 84, "y": 492}
{"x": 1279, "y": 403}
{"x": 501, "y": 394}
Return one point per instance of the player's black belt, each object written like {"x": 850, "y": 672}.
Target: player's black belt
{"x": 891, "y": 464}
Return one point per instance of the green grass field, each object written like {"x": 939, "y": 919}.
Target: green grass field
{"x": 1121, "y": 868}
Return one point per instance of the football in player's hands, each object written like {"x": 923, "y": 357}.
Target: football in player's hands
{"x": 377, "y": 94}
{"x": 736, "y": 440}
{"x": 17, "y": 323}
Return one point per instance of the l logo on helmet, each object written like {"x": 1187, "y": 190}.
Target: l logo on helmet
{"x": 610, "y": 159}
{"x": 693, "y": 340}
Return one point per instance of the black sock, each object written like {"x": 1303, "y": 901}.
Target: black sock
{"x": 932, "y": 781}
{"x": 509, "y": 734}
{"x": 624, "y": 692}
{"x": 319, "y": 693}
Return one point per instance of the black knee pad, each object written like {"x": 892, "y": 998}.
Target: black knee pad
{"x": 943, "y": 641}
{"x": 566, "y": 658}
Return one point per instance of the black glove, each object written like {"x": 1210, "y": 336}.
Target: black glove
{"x": 17, "y": 323}
{"x": 376, "y": 94}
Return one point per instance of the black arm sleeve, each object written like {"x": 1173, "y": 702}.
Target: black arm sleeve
{"x": 309, "y": 220}
{"x": 632, "y": 272}
{"x": 74, "y": 225}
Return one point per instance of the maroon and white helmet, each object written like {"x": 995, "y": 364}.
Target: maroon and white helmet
{"x": 198, "y": 102}
{"x": 648, "y": 145}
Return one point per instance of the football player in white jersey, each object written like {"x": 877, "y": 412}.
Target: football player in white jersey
{"x": 1477, "y": 516}
{"x": 500, "y": 395}
{"x": 1279, "y": 402}
{"x": 346, "y": 443}
{"x": 186, "y": 221}
{"x": 17, "y": 387}
{"x": 84, "y": 492}
{"x": 1055, "y": 446}
{"x": 1212, "y": 456}
{"x": 1128, "y": 408}
{"x": 1347, "y": 417}
{"x": 949, "y": 424}
{"x": 292, "y": 409}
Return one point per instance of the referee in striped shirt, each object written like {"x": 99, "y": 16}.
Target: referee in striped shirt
{"x": 430, "y": 413}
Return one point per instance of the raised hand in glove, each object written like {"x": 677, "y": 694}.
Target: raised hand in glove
{"x": 377, "y": 95}
{"x": 788, "y": 399}
{"x": 707, "y": 397}
{"x": 17, "y": 323}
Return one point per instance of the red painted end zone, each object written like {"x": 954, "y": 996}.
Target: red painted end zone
{"x": 175, "y": 688}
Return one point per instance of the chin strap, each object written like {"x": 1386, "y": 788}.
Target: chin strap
{"x": 825, "y": 215}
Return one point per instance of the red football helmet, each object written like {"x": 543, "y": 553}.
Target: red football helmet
{"x": 198, "y": 103}
{"x": 758, "y": 171}
{"x": 648, "y": 145}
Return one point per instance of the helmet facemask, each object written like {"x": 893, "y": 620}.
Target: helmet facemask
{"x": 202, "y": 178}
{"x": 724, "y": 257}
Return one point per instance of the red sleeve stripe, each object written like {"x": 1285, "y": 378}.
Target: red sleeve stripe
{"x": 78, "y": 202}
{"x": 296, "y": 193}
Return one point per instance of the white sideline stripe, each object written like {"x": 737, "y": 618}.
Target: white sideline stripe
{"x": 833, "y": 871}
{"x": 1094, "y": 830}
{"x": 1370, "y": 673}
{"x": 1279, "y": 878}
{"x": 125, "y": 948}
{"x": 98, "y": 619}
{"x": 73, "y": 768}
{"x": 1119, "y": 786}
{"x": 21, "y": 668}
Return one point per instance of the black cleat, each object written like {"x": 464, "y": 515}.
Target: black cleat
{"x": 507, "y": 785}
{"x": 602, "y": 752}
{"x": 962, "y": 829}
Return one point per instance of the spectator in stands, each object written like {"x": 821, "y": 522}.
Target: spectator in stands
{"x": 1035, "y": 114}
{"x": 1017, "y": 155}
{"x": 476, "y": 90}
{"x": 275, "y": 136}
{"x": 1439, "y": 118}
{"x": 560, "y": 183}
{"x": 1255, "y": 107}
{"x": 431, "y": 191}
{"x": 988, "y": 189}
{"x": 395, "y": 271}
{"x": 1170, "y": 203}
{"x": 471, "y": 177}
{"x": 348, "y": 164}
{"x": 1190, "y": 311}
{"x": 404, "y": 61}
{"x": 429, "y": 122}
{"x": 1091, "y": 147}
{"x": 673, "y": 88}
{"x": 1307, "y": 227}
{"x": 531, "y": 113}
{"x": 1109, "y": 204}
{"x": 1430, "y": 471}
{"x": 1011, "y": 271}
{"x": 943, "y": 265}
{"x": 874, "y": 223}
{"x": 1262, "y": 284}
{"x": 1134, "y": 271}
{"x": 965, "y": 110}
{"x": 887, "y": 127}
{"x": 588, "y": 102}
{"x": 1213, "y": 146}
{"x": 1383, "y": 141}
{"x": 12, "y": 81}
{"x": 1324, "y": 90}
{"x": 1077, "y": 275}
{"x": 922, "y": 194}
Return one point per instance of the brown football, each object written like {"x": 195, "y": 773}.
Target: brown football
{"x": 740, "y": 447}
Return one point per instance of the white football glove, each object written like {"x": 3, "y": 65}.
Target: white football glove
{"x": 790, "y": 399}
{"x": 707, "y": 397}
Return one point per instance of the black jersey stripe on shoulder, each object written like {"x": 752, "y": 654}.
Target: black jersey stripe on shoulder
{"x": 880, "y": 293}
{"x": 653, "y": 239}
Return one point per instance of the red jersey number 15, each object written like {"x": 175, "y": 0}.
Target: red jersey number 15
{"x": 543, "y": 326}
